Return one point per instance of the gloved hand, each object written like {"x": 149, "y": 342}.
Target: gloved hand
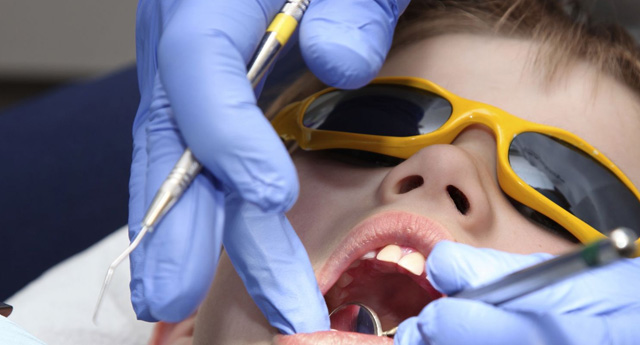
{"x": 601, "y": 306}
{"x": 194, "y": 92}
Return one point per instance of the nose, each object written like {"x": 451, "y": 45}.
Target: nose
{"x": 447, "y": 182}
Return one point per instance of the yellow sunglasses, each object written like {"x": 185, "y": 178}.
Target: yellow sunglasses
{"x": 547, "y": 169}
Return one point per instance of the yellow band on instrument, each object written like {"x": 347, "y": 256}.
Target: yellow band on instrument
{"x": 283, "y": 25}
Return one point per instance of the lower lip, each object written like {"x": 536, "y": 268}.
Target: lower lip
{"x": 331, "y": 338}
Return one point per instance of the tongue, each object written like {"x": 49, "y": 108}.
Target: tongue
{"x": 331, "y": 338}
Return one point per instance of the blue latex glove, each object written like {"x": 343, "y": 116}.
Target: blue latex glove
{"x": 601, "y": 306}
{"x": 194, "y": 92}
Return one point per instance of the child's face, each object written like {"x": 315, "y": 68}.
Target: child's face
{"x": 342, "y": 204}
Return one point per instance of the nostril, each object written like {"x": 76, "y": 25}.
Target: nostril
{"x": 461, "y": 201}
{"x": 410, "y": 183}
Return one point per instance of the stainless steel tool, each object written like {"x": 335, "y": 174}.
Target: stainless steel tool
{"x": 619, "y": 244}
{"x": 188, "y": 167}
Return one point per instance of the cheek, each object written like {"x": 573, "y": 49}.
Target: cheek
{"x": 332, "y": 198}
{"x": 228, "y": 315}
{"x": 180, "y": 333}
{"x": 515, "y": 233}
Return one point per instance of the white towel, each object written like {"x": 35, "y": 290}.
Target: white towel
{"x": 10, "y": 333}
{"x": 58, "y": 306}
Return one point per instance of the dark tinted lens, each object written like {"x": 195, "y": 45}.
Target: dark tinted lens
{"x": 360, "y": 158}
{"x": 575, "y": 181}
{"x": 389, "y": 110}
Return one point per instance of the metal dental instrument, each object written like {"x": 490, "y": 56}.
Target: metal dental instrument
{"x": 357, "y": 317}
{"x": 620, "y": 244}
{"x": 188, "y": 167}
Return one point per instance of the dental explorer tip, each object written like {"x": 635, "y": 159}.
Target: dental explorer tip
{"x": 115, "y": 264}
{"x": 105, "y": 284}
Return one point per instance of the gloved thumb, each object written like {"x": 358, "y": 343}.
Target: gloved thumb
{"x": 452, "y": 267}
{"x": 459, "y": 321}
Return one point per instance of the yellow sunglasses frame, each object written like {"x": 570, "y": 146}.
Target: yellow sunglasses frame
{"x": 288, "y": 124}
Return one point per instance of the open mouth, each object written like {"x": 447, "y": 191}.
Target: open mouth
{"x": 390, "y": 280}
{"x": 381, "y": 265}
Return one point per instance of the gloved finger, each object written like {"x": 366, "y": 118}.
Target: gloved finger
{"x": 201, "y": 58}
{"x": 454, "y": 267}
{"x": 344, "y": 43}
{"x": 138, "y": 179}
{"x": 408, "y": 333}
{"x": 173, "y": 267}
{"x": 457, "y": 321}
{"x": 275, "y": 268}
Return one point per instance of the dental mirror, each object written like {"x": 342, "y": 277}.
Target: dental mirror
{"x": 357, "y": 317}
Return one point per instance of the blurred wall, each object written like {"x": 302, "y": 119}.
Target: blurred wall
{"x": 48, "y": 41}
{"x": 43, "y": 40}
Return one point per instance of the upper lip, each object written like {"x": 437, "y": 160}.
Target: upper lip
{"x": 390, "y": 227}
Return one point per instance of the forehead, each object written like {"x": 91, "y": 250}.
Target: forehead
{"x": 502, "y": 72}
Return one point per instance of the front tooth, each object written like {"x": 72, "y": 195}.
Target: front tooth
{"x": 390, "y": 253}
{"x": 413, "y": 263}
{"x": 369, "y": 255}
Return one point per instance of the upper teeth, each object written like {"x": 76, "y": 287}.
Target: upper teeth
{"x": 388, "y": 260}
{"x": 390, "y": 253}
{"x": 369, "y": 255}
{"x": 413, "y": 263}
{"x": 406, "y": 258}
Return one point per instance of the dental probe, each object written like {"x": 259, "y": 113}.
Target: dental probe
{"x": 619, "y": 244}
{"x": 188, "y": 167}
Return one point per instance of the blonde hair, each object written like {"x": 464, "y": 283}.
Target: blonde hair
{"x": 564, "y": 31}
